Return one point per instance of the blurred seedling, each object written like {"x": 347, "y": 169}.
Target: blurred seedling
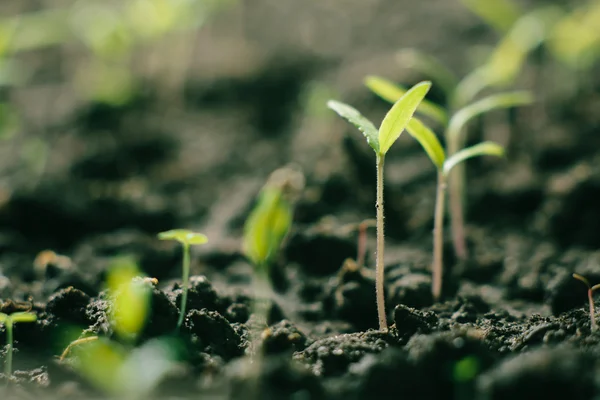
{"x": 8, "y": 320}
{"x": 361, "y": 248}
{"x": 266, "y": 229}
{"x": 453, "y": 122}
{"x": 444, "y": 164}
{"x": 186, "y": 238}
{"x": 380, "y": 141}
{"x": 591, "y": 290}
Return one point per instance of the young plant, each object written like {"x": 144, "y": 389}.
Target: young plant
{"x": 444, "y": 165}
{"x": 380, "y": 141}
{"x": 266, "y": 228}
{"x": 8, "y": 321}
{"x": 186, "y": 238}
{"x": 591, "y": 290}
{"x": 454, "y": 122}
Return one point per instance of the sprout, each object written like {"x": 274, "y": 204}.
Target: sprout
{"x": 591, "y": 290}
{"x": 380, "y": 141}
{"x": 187, "y": 239}
{"x": 454, "y": 125}
{"x": 8, "y": 321}
{"x": 444, "y": 165}
{"x": 266, "y": 228}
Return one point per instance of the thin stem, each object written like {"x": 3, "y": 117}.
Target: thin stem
{"x": 592, "y": 311}
{"x": 379, "y": 273}
{"x": 9, "y": 353}
{"x": 457, "y": 212}
{"x": 185, "y": 283}
{"x": 438, "y": 237}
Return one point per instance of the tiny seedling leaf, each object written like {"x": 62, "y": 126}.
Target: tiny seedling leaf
{"x": 582, "y": 279}
{"x": 183, "y": 236}
{"x": 3, "y": 317}
{"x": 428, "y": 140}
{"x": 500, "y": 14}
{"x": 595, "y": 287}
{"x": 398, "y": 116}
{"x": 358, "y": 120}
{"x": 493, "y": 102}
{"x": 23, "y": 317}
{"x": 391, "y": 92}
{"x": 481, "y": 149}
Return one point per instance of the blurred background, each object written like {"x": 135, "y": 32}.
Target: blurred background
{"x": 145, "y": 115}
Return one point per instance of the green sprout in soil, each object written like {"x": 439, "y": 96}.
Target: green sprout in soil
{"x": 454, "y": 123}
{"x": 591, "y": 290}
{"x": 186, "y": 238}
{"x": 266, "y": 229}
{"x": 444, "y": 165}
{"x": 8, "y": 321}
{"x": 380, "y": 141}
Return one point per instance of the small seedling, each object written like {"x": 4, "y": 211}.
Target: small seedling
{"x": 454, "y": 123}
{"x": 591, "y": 290}
{"x": 8, "y": 321}
{"x": 380, "y": 141}
{"x": 444, "y": 165}
{"x": 186, "y": 238}
{"x": 266, "y": 229}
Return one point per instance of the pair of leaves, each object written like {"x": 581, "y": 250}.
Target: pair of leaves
{"x": 434, "y": 150}
{"x": 7, "y": 319}
{"x": 394, "y": 122}
{"x": 183, "y": 236}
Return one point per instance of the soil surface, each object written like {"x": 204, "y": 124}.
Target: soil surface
{"x": 194, "y": 152}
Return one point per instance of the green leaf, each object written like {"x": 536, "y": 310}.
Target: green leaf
{"x": 23, "y": 317}
{"x": 493, "y": 102}
{"x": 3, "y": 317}
{"x": 398, "y": 116}
{"x": 481, "y": 149}
{"x": 183, "y": 236}
{"x": 267, "y": 226}
{"x": 392, "y": 92}
{"x": 499, "y": 14}
{"x": 428, "y": 140}
{"x": 358, "y": 120}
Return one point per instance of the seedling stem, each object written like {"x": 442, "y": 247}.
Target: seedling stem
{"x": 379, "y": 266}
{"x": 438, "y": 235}
{"x": 591, "y": 290}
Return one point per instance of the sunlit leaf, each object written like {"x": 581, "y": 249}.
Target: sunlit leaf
{"x": 3, "y": 317}
{"x": 358, "y": 120}
{"x": 392, "y": 92}
{"x": 499, "y": 14}
{"x": 481, "y": 149}
{"x": 23, "y": 317}
{"x": 183, "y": 236}
{"x": 398, "y": 116}
{"x": 493, "y": 102}
{"x": 100, "y": 362}
{"x": 428, "y": 140}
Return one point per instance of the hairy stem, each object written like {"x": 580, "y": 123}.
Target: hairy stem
{"x": 379, "y": 272}
{"x": 185, "y": 283}
{"x": 592, "y": 311}
{"x": 438, "y": 237}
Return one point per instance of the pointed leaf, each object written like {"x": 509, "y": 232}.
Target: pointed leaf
{"x": 392, "y": 92}
{"x": 3, "y": 318}
{"x": 358, "y": 120}
{"x": 401, "y": 112}
{"x": 428, "y": 140}
{"x": 582, "y": 279}
{"x": 499, "y": 14}
{"x": 493, "y": 102}
{"x": 23, "y": 317}
{"x": 183, "y": 236}
{"x": 481, "y": 149}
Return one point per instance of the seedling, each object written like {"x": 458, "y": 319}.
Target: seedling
{"x": 380, "y": 141}
{"x": 444, "y": 165}
{"x": 591, "y": 290}
{"x": 454, "y": 123}
{"x": 8, "y": 321}
{"x": 266, "y": 229}
{"x": 186, "y": 238}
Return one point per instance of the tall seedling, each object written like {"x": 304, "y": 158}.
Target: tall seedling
{"x": 444, "y": 165}
{"x": 380, "y": 141}
{"x": 454, "y": 123}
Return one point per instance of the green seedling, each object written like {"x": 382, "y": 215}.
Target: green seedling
{"x": 444, "y": 165}
{"x": 380, "y": 141}
{"x": 8, "y": 321}
{"x": 186, "y": 238}
{"x": 266, "y": 229}
{"x": 454, "y": 123}
{"x": 591, "y": 290}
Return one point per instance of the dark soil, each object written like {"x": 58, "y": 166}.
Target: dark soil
{"x": 513, "y": 322}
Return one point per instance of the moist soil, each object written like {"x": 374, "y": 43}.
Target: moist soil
{"x": 512, "y": 323}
